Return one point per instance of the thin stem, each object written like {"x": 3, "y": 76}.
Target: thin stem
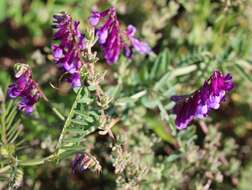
{"x": 55, "y": 110}
{"x": 37, "y": 162}
{"x": 3, "y": 125}
{"x": 68, "y": 120}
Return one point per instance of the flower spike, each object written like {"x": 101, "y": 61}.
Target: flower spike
{"x": 67, "y": 54}
{"x": 198, "y": 104}
{"x": 112, "y": 40}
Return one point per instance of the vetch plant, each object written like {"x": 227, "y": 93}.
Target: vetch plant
{"x": 72, "y": 52}
{"x": 124, "y": 122}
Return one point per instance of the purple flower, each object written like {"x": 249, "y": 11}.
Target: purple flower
{"x": 112, "y": 40}
{"x": 108, "y": 34}
{"x": 20, "y": 85}
{"x": 141, "y": 47}
{"x": 28, "y": 101}
{"x": 26, "y": 88}
{"x": 75, "y": 79}
{"x": 94, "y": 18}
{"x": 80, "y": 162}
{"x": 198, "y": 104}
{"x": 67, "y": 54}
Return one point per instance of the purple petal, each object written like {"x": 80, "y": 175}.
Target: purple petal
{"x": 141, "y": 47}
{"x": 19, "y": 86}
{"x": 13, "y": 92}
{"x": 57, "y": 52}
{"x": 75, "y": 80}
{"x": 202, "y": 111}
{"x": 128, "y": 52}
{"x": 131, "y": 30}
{"x": 102, "y": 36}
{"x": 229, "y": 85}
{"x": 82, "y": 42}
{"x": 69, "y": 67}
{"x": 112, "y": 54}
{"x": 26, "y": 104}
{"x": 94, "y": 18}
{"x": 214, "y": 101}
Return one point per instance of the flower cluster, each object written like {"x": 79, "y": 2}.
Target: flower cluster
{"x": 112, "y": 40}
{"x": 67, "y": 54}
{"x": 24, "y": 87}
{"x": 199, "y": 103}
{"x": 81, "y": 162}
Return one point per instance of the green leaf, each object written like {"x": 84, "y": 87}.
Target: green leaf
{"x": 149, "y": 103}
{"x": 160, "y": 65}
{"x": 243, "y": 74}
{"x": 79, "y": 122}
{"x": 159, "y": 128}
{"x": 75, "y": 130}
{"x": 85, "y": 116}
{"x": 85, "y": 100}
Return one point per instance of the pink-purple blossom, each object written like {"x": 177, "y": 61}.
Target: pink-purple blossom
{"x": 67, "y": 54}
{"x": 26, "y": 88}
{"x": 80, "y": 162}
{"x": 112, "y": 40}
{"x": 140, "y": 46}
{"x": 198, "y": 104}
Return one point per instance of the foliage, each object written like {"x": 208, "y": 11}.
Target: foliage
{"x": 122, "y": 117}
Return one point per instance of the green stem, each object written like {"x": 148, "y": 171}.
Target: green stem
{"x": 69, "y": 117}
{"x": 55, "y": 110}
{"x": 58, "y": 113}
{"x": 36, "y": 162}
{"x": 183, "y": 70}
{"x": 3, "y": 125}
